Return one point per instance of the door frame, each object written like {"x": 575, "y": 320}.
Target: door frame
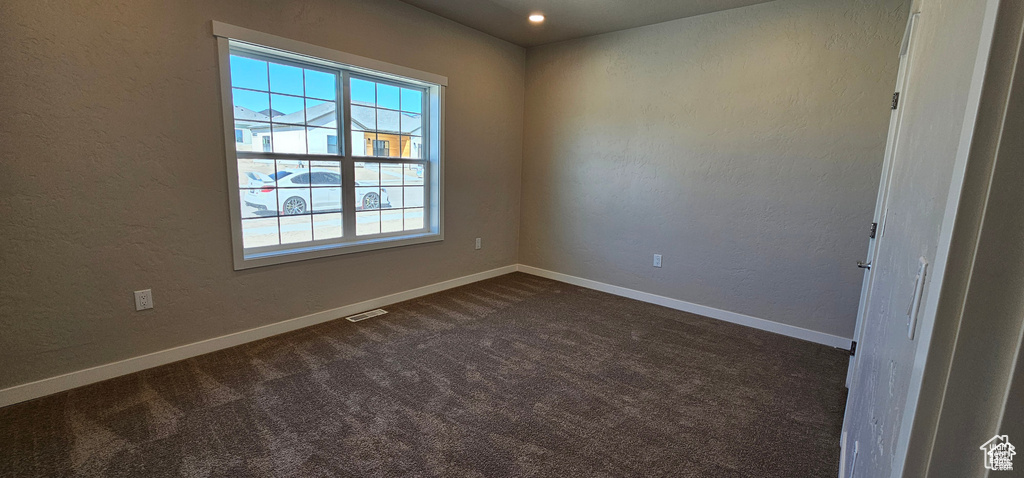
{"x": 926, "y": 325}
{"x": 923, "y": 433}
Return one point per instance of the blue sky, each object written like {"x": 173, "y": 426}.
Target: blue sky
{"x": 289, "y": 80}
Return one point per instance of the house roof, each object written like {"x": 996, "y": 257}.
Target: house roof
{"x": 308, "y": 115}
{"x": 365, "y": 119}
{"x": 362, "y": 118}
{"x": 245, "y": 114}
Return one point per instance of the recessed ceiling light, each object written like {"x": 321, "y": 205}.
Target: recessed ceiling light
{"x": 536, "y": 18}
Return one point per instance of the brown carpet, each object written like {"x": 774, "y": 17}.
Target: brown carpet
{"x": 514, "y": 376}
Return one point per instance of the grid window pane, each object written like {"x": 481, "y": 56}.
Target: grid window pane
{"x": 255, "y": 136}
{"x": 367, "y": 223}
{"x": 361, "y": 141}
{"x": 260, "y": 232}
{"x": 289, "y": 138}
{"x": 250, "y": 105}
{"x": 412, "y": 100}
{"x": 322, "y": 113}
{"x": 364, "y": 118}
{"x": 333, "y": 170}
{"x": 368, "y": 198}
{"x": 387, "y": 96}
{"x": 411, "y": 124}
{"x": 322, "y": 140}
{"x": 259, "y": 202}
{"x": 391, "y": 174}
{"x": 387, "y": 145}
{"x": 255, "y": 173}
{"x": 391, "y": 221}
{"x": 413, "y": 219}
{"x": 363, "y": 92}
{"x": 412, "y": 147}
{"x": 293, "y": 201}
{"x": 290, "y": 190}
{"x": 367, "y": 174}
{"x": 287, "y": 95}
{"x": 387, "y": 121}
{"x": 321, "y": 85}
{"x": 248, "y": 73}
{"x": 413, "y": 174}
{"x": 395, "y": 197}
{"x": 286, "y": 79}
{"x": 414, "y": 196}
{"x": 256, "y": 203}
{"x": 401, "y": 196}
{"x": 327, "y": 226}
{"x": 381, "y": 146}
{"x": 326, "y": 199}
{"x": 295, "y": 229}
{"x": 287, "y": 109}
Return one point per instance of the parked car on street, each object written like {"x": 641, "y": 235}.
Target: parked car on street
{"x": 289, "y": 192}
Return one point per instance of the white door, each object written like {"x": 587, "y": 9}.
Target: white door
{"x": 895, "y": 122}
{"x": 849, "y": 451}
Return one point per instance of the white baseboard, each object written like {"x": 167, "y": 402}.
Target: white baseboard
{"x": 68, "y": 381}
{"x": 60, "y": 383}
{"x": 736, "y": 318}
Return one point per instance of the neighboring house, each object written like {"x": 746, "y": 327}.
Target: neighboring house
{"x": 399, "y": 135}
{"x": 316, "y": 127}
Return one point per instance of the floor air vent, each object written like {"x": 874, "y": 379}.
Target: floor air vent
{"x": 366, "y": 315}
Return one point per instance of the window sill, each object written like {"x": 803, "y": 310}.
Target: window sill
{"x": 249, "y": 261}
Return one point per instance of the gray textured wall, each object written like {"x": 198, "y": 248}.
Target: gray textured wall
{"x": 745, "y": 146}
{"x": 113, "y": 179}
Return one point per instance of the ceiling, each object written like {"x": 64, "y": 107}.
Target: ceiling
{"x": 567, "y": 19}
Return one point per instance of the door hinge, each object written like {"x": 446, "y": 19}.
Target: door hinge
{"x": 895, "y": 100}
{"x": 874, "y": 229}
{"x": 853, "y": 348}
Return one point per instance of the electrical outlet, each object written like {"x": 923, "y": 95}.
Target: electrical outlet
{"x": 478, "y": 243}
{"x": 657, "y": 260}
{"x": 143, "y": 299}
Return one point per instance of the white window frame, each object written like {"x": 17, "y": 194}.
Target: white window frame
{"x": 231, "y": 37}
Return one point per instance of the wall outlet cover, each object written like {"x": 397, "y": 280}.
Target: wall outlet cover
{"x": 143, "y": 299}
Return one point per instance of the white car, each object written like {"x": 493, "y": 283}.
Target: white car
{"x": 289, "y": 192}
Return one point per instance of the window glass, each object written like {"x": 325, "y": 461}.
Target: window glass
{"x": 321, "y": 85}
{"x": 363, "y": 92}
{"x": 387, "y": 96}
{"x": 286, "y": 79}
{"x": 412, "y": 100}
{"x": 249, "y": 73}
{"x": 289, "y": 201}
{"x": 388, "y": 186}
{"x": 386, "y": 120}
{"x": 276, "y": 103}
{"x": 295, "y": 172}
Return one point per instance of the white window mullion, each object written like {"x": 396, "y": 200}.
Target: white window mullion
{"x": 348, "y": 168}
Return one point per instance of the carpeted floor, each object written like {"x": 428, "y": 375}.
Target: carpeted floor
{"x": 514, "y": 376}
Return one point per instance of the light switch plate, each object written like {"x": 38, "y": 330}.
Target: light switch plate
{"x": 657, "y": 260}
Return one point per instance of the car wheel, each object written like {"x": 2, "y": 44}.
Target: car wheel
{"x": 371, "y": 201}
{"x": 294, "y": 205}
